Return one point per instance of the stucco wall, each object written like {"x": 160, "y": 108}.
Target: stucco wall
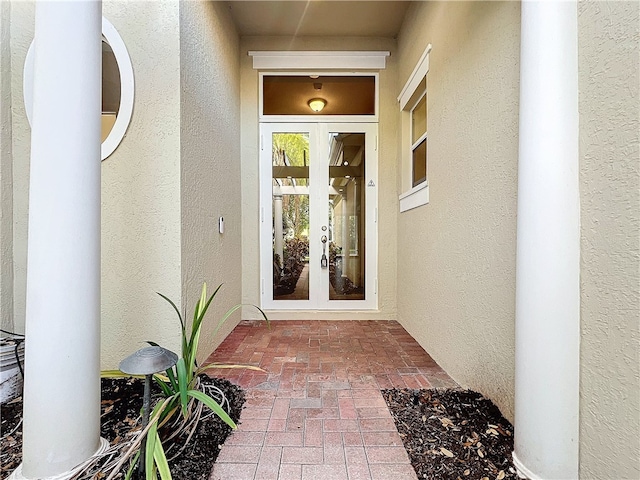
{"x": 6, "y": 173}
{"x": 141, "y": 189}
{"x": 456, "y": 255}
{"x": 609, "y": 106}
{"x": 210, "y": 168}
{"x": 387, "y": 175}
{"x": 22, "y": 26}
{"x": 140, "y": 182}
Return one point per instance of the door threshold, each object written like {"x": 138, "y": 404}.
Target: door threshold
{"x": 326, "y": 315}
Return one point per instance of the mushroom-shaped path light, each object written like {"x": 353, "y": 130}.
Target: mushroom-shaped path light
{"x": 147, "y": 361}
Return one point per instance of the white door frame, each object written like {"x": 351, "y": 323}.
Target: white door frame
{"x": 318, "y": 215}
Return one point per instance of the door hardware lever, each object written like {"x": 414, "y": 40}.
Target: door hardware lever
{"x": 324, "y": 263}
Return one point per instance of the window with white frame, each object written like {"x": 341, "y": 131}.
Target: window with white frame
{"x": 414, "y": 106}
{"x": 419, "y": 141}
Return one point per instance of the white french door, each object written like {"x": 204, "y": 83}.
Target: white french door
{"x": 318, "y": 209}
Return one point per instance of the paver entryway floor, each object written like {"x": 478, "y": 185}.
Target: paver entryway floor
{"x": 317, "y": 411}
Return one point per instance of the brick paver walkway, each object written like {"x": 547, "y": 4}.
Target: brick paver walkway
{"x": 317, "y": 412}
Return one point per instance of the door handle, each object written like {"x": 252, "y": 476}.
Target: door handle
{"x": 324, "y": 263}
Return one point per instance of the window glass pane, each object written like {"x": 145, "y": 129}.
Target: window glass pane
{"x": 419, "y": 120}
{"x": 290, "y": 208}
{"x": 346, "y": 216}
{"x": 420, "y": 163}
{"x": 290, "y": 95}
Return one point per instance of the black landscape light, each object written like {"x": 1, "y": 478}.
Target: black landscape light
{"x": 147, "y": 361}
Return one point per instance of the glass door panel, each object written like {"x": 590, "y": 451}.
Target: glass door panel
{"x": 290, "y": 215}
{"x": 347, "y": 268}
{"x": 318, "y": 216}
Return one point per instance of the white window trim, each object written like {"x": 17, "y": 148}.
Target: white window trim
{"x": 419, "y": 72}
{"x": 269, "y": 60}
{"x": 416, "y": 196}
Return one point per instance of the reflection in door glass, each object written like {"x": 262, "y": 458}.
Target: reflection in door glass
{"x": 290, "y": 214}
{"x": 346, "y": 216}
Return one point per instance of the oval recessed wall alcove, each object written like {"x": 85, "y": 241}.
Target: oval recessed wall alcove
{"x": 117, "y": 88}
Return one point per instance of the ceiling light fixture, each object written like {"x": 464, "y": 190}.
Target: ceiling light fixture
{"x": 317, "y": 104}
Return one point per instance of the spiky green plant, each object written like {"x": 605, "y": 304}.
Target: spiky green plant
{"x": 181, "y": 385}
{"x": 184, "y": 395}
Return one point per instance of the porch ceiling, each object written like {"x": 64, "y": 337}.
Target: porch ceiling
{"x": 318, "y": 17}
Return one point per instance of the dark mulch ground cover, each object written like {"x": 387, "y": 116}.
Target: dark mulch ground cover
{"x": 121, "y": 404}
{"x": 453, "y": 434}
{"x": 11, "y": 443}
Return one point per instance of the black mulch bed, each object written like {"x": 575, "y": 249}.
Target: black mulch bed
{"x": 453, "y": 434}
{"x": 121, "y": 403}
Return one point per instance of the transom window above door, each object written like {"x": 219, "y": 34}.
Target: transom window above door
{"x": 318, "y": 94}
{"x": 319, "y": 86}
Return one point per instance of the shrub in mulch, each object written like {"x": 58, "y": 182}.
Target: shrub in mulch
{"x": 295, "y": 252}
{"x": 121, "y": 403}
{"x": 342, "y": 285}
{"x": 453, "y": 434}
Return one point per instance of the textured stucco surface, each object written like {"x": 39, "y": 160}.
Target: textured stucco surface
{"x": 456, "y": 255}
{"x": 387, "y": 175}
{"x": 210, "y": 163}
{"x": 609, "y": 106}
{"x": 6, "y": 173}
{"x": 141, "y": 189}
{"x": 22, "y": 26}
{"x": 140, "y": 182}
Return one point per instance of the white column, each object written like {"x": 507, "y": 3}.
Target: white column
{"x": 548, "y": 245}
{"x": 277, "y": 220}
{"x": 62, "y": 377}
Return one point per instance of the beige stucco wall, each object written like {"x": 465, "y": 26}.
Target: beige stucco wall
{"x": 140, "y": 182}
{"x": 387, "y": 175}
{"x": 22, "y": 26}
{"x": 210, "y": 163}
{"x": 609, "y": 106}
{"x": 456, "y": 255}
{"x": 141, "y": 189}
{"x": 6, "y": 173}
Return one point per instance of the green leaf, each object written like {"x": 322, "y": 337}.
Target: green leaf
{"x": 172, "y": 379}
{"x": 184, "y": 332}
{"x": 161, "y": 461}
{"x": 203, "y": 299}
{"x": 227, "y": 365}
{"x": 117, "y": 374}
{"x": 163, "y": 386}
{"x": 213, "y": 405}
{"x": 198, "y": 317}
{"x": 152, "y": 438}
{"x": 182, "y": 384}
{"x": 134, "y": 462}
